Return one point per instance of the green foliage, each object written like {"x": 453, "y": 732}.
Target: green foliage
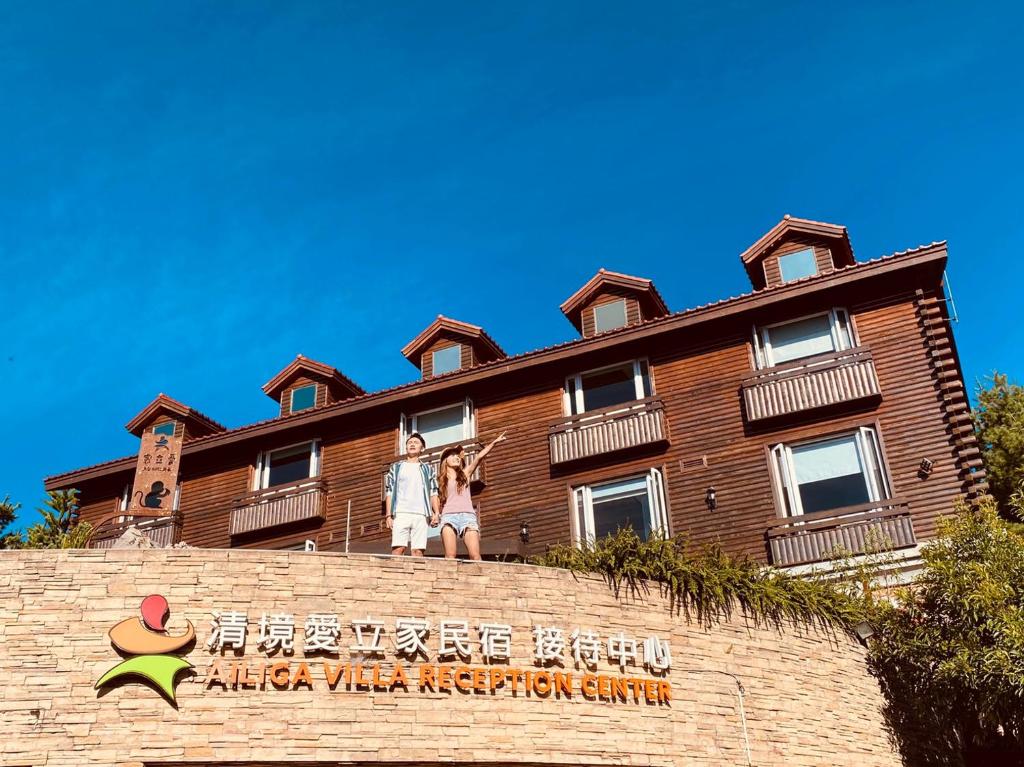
{"x": 999, "y": 420}
{"x": 8, "y": 511}
{"x": 59, "y": 529}
{"x": 709, "y": 583}
{"x": 950, "y": 652}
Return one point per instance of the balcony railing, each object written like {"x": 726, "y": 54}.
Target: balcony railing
{"x": 605, "y": 431}
{"x": 276, "y": 506}
{"x": 824, "y": 535}
{"x": 470, "y": 448}
{"x": 814, "y": 382}
{"x": 163, "y": 531}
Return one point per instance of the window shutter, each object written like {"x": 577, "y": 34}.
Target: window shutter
{"x": 402, "y": 433}
{"x": 842, "y": 335}
{"x": 878, "y": 483}
{"x": 468, "y": 420}
{"x": 760, "y": 359}
{"x": 781, "y": 467}
{"x": 656, "y": 491}
{"x": 314, "y": 459}
{"x": 578, "y": 518}
{"x": 258, "y": 476}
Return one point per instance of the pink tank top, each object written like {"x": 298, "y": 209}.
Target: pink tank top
{"x": 458, "y": 503}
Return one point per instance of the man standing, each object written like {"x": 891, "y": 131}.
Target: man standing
{"x": 411, "y": 499}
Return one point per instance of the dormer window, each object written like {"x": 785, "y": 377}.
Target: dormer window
{"x": 794, "y": 266}
{"x": 447, "y": 359}
{"x": 166, "y": 429}
{"x": 303, "y": 398}
{"x": 610, "y": 315}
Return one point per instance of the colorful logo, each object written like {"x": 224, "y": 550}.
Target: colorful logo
{"x": 150, "y": 644}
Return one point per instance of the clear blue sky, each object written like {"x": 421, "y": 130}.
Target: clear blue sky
{"x": 192, "y": 193}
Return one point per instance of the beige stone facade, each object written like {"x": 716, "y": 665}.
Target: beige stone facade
{"x": 808, "y": 698}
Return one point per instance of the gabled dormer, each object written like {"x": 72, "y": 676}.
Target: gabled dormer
{"x": 447, "y": 345}
{"x": 796, "y": 248}
{"x": 168, "y": 416}
{"x": 306, "y": 384}
{"x": 610, "y": 300}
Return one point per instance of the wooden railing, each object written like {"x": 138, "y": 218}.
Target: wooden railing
{"x": 820, "y": 381}
{"x": 470, "y": 448}
{"x": 605, "y": 431}
{"x": 278, "y": 506}
{"x": 163, "y": 531}
{"x": 852, "y": 530}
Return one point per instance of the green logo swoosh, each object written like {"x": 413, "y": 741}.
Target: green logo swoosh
{"x": 158, "y": 669}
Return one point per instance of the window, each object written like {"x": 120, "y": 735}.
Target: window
{"x": 806, "y": 337}
{"x": 447, "y": 359}
{"x": 307, "y": 545}
{"x": 453, "y": 423}
{"x": 167, "y": 429}
{"x": 831, "y": 473}
{"x": 303, "y": 398}
{"x": 607, "y": 387}
{"x": 793, "y": 266}
{"x": 603, "y": 509}
{"x": 288, "y": 466}
{"x": 610, "y": 316}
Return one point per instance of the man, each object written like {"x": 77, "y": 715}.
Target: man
{"x": 411, "y": 499}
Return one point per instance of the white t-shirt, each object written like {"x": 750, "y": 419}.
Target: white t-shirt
{"x": 409, "y": 493}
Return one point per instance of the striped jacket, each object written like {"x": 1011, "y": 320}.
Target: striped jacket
{"x": 429, "y": 485}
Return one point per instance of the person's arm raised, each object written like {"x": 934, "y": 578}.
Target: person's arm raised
{"x": 483, "y": 454}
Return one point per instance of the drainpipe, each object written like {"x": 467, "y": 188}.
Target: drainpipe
{"x": 740, "y": 690}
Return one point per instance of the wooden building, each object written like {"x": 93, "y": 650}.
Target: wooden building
{"x": 822, "y": 409}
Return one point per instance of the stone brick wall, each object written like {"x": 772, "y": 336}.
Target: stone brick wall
{"x": 808, "y": 701}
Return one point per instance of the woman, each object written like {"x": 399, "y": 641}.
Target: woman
{"x": 458, "y": 517}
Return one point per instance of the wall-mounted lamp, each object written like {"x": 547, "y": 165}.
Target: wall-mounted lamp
{"x": 711, "y": 499}
{"x": 864, "y": 632}
{"x": 925, "y": 469}
{"x": 524, "y": 532}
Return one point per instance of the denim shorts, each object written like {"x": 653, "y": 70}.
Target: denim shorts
{"x": 460, "y": 522}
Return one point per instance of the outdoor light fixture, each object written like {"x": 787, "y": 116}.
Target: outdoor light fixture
{"x": 711, "y": 499}
{"x": 524, "y": 532}
{"x": 864, "y": 632}
{"x": 925, "y": 468}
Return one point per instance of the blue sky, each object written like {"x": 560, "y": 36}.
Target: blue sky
{"x": 193, "y": 193}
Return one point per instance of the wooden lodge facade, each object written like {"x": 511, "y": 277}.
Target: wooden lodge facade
{"x": 824, "y": 409}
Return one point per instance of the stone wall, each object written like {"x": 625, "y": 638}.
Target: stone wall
{"x": 808, "y": 699}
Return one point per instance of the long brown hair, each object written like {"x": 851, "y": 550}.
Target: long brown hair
{"x": 461, "y": 481}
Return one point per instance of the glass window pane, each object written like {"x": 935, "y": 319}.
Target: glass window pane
{"x": 803, "y": 338}
{"x": 441, "y": 426}
{"x": 608, "y": 387}
{"x": 166, "y": 429}
{"x": 622, "y": 505}
{"x": 830, "y": 475}
{"x": 793, "y": 266}
{"x": 303, "y": 398}
{"x": 447, "y": 359}
{"x": 609, "y": 316}
{"x": 289, "y": 465}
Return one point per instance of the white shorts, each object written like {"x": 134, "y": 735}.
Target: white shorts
{"x": 409, "y": 530}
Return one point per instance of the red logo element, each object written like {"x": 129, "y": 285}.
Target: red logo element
{"x": 155, "y": 611}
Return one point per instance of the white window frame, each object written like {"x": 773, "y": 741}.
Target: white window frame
{"x": 814, "y": 260}
{"x": 869, "y": 452}
{"x": 468, "y": 424}
{"x": 837, "y": 317}
{"x": 625, "y": 315}
{"x": 291, "y": 397}
{"x": 581, "y": 515}
{"x": 574, "y": 383}
{"x": 261, "y": 475}
{"x": 433, "y": 359}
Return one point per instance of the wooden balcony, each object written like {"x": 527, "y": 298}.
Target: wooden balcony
{"x": 606, "y": 431}
{"x": 277, "y": 506}
{"x": 824, "y": 535}
{"x": 807, "y": 384}
{"x": 163, "y": 531}
{"x": 470, "y": 448}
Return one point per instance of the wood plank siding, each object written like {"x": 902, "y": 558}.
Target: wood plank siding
{"x": 607, "y": 296}
{"x": 822, "y": 257}
{"x": 903, "y": 379}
